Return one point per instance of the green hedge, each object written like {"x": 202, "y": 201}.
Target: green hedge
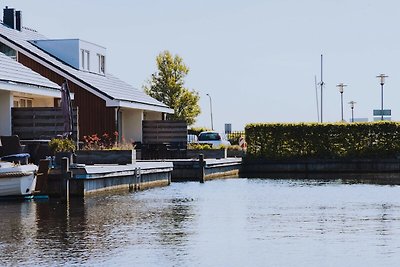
{"x": 279, "y": 141}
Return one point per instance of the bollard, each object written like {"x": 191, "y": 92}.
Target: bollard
{"x": 65, "y": 176}
{"x": 132, "y": 182}
{"x": 201, "y": 168}
{"x": 139, "y": 178}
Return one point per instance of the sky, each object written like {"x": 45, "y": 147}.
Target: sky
{"x": 257, "y": 59}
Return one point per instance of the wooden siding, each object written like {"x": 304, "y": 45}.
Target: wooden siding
{"x": 94, "y": 116}
{"x": 40, "y": 123}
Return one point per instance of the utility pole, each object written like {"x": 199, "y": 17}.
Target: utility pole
{"x": 352, "y": 109}
{"x": 322, "y": 86}
{"x": 212, "y": 123}
{"x": 382, "y": 78}
{"x": 341, "y": 86}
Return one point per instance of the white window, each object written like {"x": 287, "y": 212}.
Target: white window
{"x": 88, "y": 60}
{"x": 102, "y": 63}
{"x": 85, "y": 59}
{"x": 22, "y": 102}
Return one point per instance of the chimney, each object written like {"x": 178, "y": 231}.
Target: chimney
{"x": 12, "y": 18}
{"x": 18, "y": 18}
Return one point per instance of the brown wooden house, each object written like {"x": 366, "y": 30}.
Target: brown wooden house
{"x": 106, "y": 104}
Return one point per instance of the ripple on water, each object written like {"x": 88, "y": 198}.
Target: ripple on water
{"x": 233, "y": 222}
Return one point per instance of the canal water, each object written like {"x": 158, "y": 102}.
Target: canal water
{"x": 232, "y": 222}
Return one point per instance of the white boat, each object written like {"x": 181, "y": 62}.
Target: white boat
{"x": 17, "y": 180}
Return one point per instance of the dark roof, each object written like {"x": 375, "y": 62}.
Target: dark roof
{"x": 108, "y": 86}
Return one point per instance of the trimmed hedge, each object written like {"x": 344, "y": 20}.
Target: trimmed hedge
{"x": 278, "y": 141}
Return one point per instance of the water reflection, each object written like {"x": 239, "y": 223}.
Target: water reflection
{"x": 390, "y": 178}
{"x": 16, "y": 231}
{"x": 238, "y": 222}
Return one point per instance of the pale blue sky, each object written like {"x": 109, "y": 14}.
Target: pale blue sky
{"x": 257, "y": 59}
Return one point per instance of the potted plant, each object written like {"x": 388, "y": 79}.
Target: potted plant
{"x": 194, "y": 149}
{"x": 62, "y": 147}
{"x": 106, "y": 150}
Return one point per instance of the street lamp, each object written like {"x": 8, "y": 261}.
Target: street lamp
{"x": 382, "y": 77}
{"x": 352, "y": 109}
{"x": 341, "y": 86}
{"x": 212, "y": 124}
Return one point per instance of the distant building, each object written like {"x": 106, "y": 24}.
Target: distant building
{"x": 360, "y": 120}
{"x": 384, "y": 118}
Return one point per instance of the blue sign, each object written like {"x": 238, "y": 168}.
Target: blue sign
{"x": 386, "y": 112}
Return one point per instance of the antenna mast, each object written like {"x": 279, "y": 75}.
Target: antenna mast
{"x": 322, "y": 85}
{"x": 316, "y": 95}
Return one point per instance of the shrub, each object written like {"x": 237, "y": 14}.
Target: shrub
{"x": 62, "y": 145}
{"x": 234, "y": 147}
{"x": 105, "y": 142}
{"x": 323, "y": 141}
{"x": 197, "y": 146}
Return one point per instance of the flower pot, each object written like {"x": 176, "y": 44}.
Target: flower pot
{"x": 208, "y": 153}
{"x": 121, "y": 157}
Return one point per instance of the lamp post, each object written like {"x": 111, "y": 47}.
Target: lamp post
{"x": 352, "y": 109}
{"x": 341, "y": 86}
{"x": 382, "y": 77}
{"x": 212, "y": 124}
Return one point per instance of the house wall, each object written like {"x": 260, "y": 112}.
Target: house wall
{"x": 69, "y": 51}
{"x": 94, "y": 116}
{"x": 6, "y": 102}
{"x": 43, "y": 102}
{"x": 94, "y": 60}
{"x": 148, "y": 115}
{"x": 132, "y": 125}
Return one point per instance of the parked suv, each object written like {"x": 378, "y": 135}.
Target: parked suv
{"x": 213, "y": 138}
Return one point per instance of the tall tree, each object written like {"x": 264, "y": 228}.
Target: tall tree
{"x": 167, "y": 86}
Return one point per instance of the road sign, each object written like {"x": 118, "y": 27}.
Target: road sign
{"x": 386, "y": 112}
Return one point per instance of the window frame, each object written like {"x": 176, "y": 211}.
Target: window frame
{"x": 102, "y": 63}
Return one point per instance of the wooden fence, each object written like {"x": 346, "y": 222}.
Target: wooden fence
{"x": 41, "y": 123}
{"x": 164, "y": 139}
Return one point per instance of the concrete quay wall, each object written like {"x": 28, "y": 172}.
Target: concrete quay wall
{"x": 190, "y": 170}
{"x": 321, "y": 166}
{"x": 94, "y": 179}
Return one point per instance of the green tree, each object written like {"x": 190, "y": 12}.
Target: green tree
{"x": 167, "y": 86}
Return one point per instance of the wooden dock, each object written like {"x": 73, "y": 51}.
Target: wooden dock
{"x": 93, "y": 179}
{"x": 83, "y": 180}
{"x": 191, "y": 169}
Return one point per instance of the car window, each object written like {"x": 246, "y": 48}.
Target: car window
{"x": 209, "y": 137}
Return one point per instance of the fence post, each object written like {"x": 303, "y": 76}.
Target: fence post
{"x": 201, "y": 168}
{"x": 65, "y": 176}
